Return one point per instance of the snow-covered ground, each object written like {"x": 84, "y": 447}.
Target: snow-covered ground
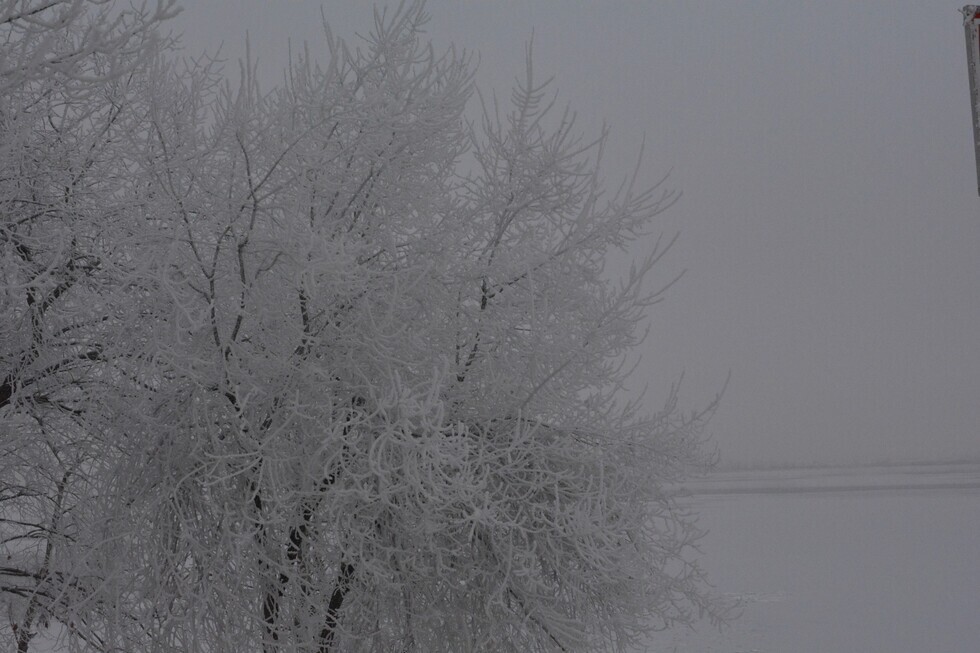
{"x": 860, "y": 560}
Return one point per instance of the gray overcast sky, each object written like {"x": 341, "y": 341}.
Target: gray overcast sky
{"x": 830, "y": 222}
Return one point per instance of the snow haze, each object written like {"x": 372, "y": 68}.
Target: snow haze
{"x": 877, "y": 560}
{"x": 829, "y": 217}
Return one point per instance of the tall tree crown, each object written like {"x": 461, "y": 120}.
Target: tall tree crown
{"x": 324, "y": 368}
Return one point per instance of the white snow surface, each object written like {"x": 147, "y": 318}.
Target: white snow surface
{"x": 858, "y": 560}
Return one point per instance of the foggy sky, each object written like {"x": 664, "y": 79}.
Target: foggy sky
{"x": 829, "y": 222}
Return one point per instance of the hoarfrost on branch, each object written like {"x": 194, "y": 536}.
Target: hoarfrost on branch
{"x": 322, "y": 368}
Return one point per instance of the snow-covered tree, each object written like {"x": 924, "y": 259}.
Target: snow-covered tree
{"x": 333, "y": 369}
{"x": 66, "y": 91}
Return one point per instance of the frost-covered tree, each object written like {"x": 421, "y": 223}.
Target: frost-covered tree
{"x": 337, "y": 369}
{"x": 66, "y": 91}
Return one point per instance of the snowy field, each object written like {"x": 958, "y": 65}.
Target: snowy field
{"x": 861, "y": 560}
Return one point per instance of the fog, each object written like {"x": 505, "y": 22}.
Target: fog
{"x": 829, "y": 219}
{"x": 876, "y": 560}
